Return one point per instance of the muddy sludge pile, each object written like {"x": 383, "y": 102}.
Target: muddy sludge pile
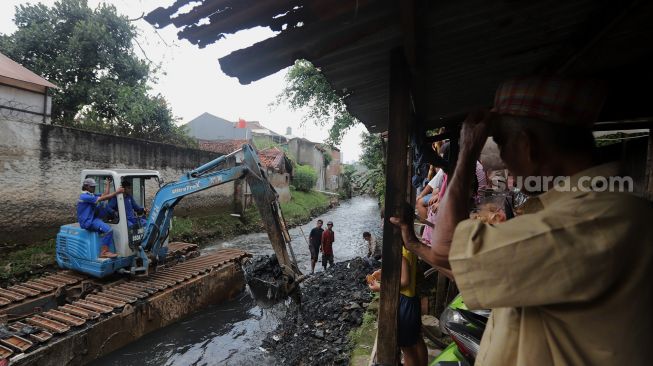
{"x": 264, "y": 276}
{"x": 317, "y": 331}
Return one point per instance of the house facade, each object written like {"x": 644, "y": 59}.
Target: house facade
{"x": 279, "y": 169}
{"x": 333, "y": 170}
{"x": 306, "y": 152}
{"x": 23, "y": 94}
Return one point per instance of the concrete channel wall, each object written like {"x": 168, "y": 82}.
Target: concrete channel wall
{"x": 40, "y": 168}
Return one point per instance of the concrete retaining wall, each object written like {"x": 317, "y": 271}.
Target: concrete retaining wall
{"x": 40, "y": 168}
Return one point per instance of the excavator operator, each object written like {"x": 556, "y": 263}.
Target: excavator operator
{"x": 87, "y": 213}
{"x": 132, "y": 209}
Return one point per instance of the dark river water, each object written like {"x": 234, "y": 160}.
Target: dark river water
{"x": 231, "y": 333}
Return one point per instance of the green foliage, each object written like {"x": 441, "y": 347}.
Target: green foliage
{"x": 307, "y": 89}
{"x": 264, "y": 142}
{"x": 327, "y": 158}
{"x": 34, "y": 256}
{"x": 362, "y": 338}
{"x": 303, "y": 205}
{"x": 348, "y": 185}
{"x": 88, "y": 53}
{"x": 222, "y": 225}
{"x": 372, "y": 155}
{"x": 373, "y": 180}
{"x": 304, "y": 177}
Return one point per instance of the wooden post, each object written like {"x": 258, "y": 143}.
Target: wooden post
{"x": 440, "y": 294}
{"x": 396, "y": 189}
{"x": 649, "y": 167}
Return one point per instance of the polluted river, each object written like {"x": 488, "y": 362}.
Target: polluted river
{"x": 233, "y": 333}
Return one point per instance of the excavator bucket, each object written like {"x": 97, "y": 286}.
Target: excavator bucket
{"x": 266, "y": 199}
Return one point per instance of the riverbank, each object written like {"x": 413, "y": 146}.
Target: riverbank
{"x": 28, "y": 261}
{"x": 301, "y": 209}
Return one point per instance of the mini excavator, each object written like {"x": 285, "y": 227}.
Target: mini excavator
{"x": 140, "y": 247}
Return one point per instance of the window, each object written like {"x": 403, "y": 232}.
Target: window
{"x": 106, "y": 210}
{"x": 101, "y": 181}
{"x": 137, "y": 190}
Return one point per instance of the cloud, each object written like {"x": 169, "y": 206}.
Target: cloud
{"x": 191, "y": 80}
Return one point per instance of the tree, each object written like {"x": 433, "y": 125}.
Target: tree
{"x": 89, "y": 54}
{"x": 348, "y": 186}
{"x": 373, "y": 180}
{"x": 307, "y": 88}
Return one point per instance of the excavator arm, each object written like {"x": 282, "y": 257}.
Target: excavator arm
{"x": 204, "y": 177}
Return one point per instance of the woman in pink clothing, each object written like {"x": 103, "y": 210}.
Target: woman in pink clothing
{"x": 480, "y": 183}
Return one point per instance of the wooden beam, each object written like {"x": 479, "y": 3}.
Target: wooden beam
{"x": 395, "y": 199}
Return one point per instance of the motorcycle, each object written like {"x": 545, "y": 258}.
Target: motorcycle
{"x": 466, "y": 329}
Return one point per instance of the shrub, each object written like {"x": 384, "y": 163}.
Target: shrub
{"x": 304, "y": 178}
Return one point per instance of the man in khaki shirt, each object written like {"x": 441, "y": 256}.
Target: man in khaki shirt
{"x": 569, "y": 281}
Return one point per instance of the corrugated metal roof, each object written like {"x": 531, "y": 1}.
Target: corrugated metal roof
{"x": 464, "y": 49}
{"x": 272, "y": 157}
{"x": 13, "y": 70}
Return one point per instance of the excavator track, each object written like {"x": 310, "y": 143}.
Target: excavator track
{"x": 34, "y": 330}
{"x": 39, "y": 336}
{"x": 17, "y": 343}
{"x": 17, "y": 294}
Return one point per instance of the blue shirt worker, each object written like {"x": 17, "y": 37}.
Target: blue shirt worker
{"x": 87, "y": 214}
{"x": 132, "y": 209}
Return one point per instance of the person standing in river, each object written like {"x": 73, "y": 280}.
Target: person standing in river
{"x": 373, "y": 249}
{"x": 328, "y": 237}
{"x": 314, "y": 243}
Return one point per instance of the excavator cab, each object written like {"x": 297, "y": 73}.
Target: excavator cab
{"x": 79, "y": 249}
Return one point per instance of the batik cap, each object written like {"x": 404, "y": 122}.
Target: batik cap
{"x": 552, "y": 99}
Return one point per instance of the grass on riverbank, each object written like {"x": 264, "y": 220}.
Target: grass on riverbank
{"x": 22, "y": 261}
{"x": 303, "y": 205}
{"x": 197, "y": 229}
{"x": 223, "y": 225}
{"x": 362, "y": 338}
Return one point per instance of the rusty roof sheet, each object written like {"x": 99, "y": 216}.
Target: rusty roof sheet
{"x": 464, "y": 48}
{"x": 272, "y": 157}
{"x": 13, "y": 70}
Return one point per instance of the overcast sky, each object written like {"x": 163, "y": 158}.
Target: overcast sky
{"x": 191, "y": 79}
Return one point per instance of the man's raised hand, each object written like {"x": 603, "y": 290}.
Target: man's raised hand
{"x": 475, "y": 131}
